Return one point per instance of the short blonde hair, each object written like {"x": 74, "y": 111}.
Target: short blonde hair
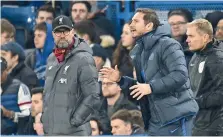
{"x": 203, "y": 26}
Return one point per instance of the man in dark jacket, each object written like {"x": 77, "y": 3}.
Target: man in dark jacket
{"x": 15, "y": 102}
{"x": 178, "y": 19}
{"x": 72, "y": 89}
{"x": 15, "y": 56}
{"x": 206, "y": 77}
{"x": 163, "y": 87}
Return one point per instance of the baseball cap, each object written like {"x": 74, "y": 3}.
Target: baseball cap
{"x": 3, "y": 64}
{"x": 62, "y": 22}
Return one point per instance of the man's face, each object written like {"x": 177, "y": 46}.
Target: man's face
{"x": 219, "y": 30}
{"x": 39, "y": 38}
{"x": 11, "y": 60}
{"x": 37, "y": 104}
{"x": 178, "y": 25}
{"x": 38, "y": 126}
{"x": 63, "y": 37}
{"x": 99, "y": 62}
{"x": 6, "y": 37}
{"x": 79, "y": 12}
{"x": 44, "y": 16}
{"x": 195, "y": 40}
{"x": 94, "y": 128}
{"x": 109, "y": 88}
{"x": 137, "y": 25}
{"x": 119, "y": 127}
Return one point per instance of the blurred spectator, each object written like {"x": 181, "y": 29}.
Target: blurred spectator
{"x": 214, "y": 18}
{"x": 15, "y": 56}
{"x": 80, "y": 10}
{"x": 45, "y": 13}
{"x": 137, "y": 118}
{"x": 96, "y": 127}
{"x": 178, "y": 19}
{"x": 44, "y": 43}
{"x": 205, "y": 71}
{"x": 115, "y": 98}
{"x": 100, "y": 57}
{"x": 36, "y": 109}
{"x": 219, "y": 30}
{"x": 105, "y": 25}
{"x": 121, "y": 56}
{"x": 7, "y": 32}
{"x": 15, "y": 102}
{"x": 122, "y": 124}
{"x": 86, "y": 30}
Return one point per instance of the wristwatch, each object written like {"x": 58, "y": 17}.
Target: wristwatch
{"x": 12, "y": 115}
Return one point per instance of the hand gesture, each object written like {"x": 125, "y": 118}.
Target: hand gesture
{"x": 110, "y": 73}
{"x": 140, "y": 90}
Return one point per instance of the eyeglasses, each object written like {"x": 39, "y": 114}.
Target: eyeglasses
{"x": 59, "y": 33}
{"x": 178, "y": 23}
{"x": 219, "y": 28}
{"x": 108, "y": 83}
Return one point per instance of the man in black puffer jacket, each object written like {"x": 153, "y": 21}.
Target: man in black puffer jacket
{"x": 71, "y": 90}
{"x": 206, "y": 77}
{"x": 163, "y": 91}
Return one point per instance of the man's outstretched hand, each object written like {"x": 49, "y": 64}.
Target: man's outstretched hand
{"x": 140, "y": 90}
{"x": 110, "y": 73}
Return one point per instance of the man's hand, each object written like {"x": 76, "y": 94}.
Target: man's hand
{"x": 140, "y": 90}
{"x": 110, "y": 73}
{"x": 7, "y": 113}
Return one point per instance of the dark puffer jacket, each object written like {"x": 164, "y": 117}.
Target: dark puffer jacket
{"x": 206, "y": 74}
{"x": 160, "y": 62}
{"x": 71, "y": 92}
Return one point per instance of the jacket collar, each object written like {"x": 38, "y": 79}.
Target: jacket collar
{"x": 208, "y": 47}
{"x": 17, "y": 69}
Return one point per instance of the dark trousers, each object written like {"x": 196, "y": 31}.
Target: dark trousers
{"x": 182, "y": 127}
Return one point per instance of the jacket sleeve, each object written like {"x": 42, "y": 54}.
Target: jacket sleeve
{"x": 214, "y": 96}
{"x": 173, "y": 60}
{"x": 88, "y": 80}
{"x": 126, "y": 82}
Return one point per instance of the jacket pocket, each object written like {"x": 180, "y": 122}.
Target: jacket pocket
{"x": 171, "y": 109}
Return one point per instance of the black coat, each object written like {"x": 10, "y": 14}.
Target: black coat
{"x": 160, "y": 62}
{"x": 206, "y": 74}
{"x": 25, "y": 75}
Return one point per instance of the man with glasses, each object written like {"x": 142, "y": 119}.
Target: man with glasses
{"x": 71, "y": 86}
{"x": 178, "y": 19}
